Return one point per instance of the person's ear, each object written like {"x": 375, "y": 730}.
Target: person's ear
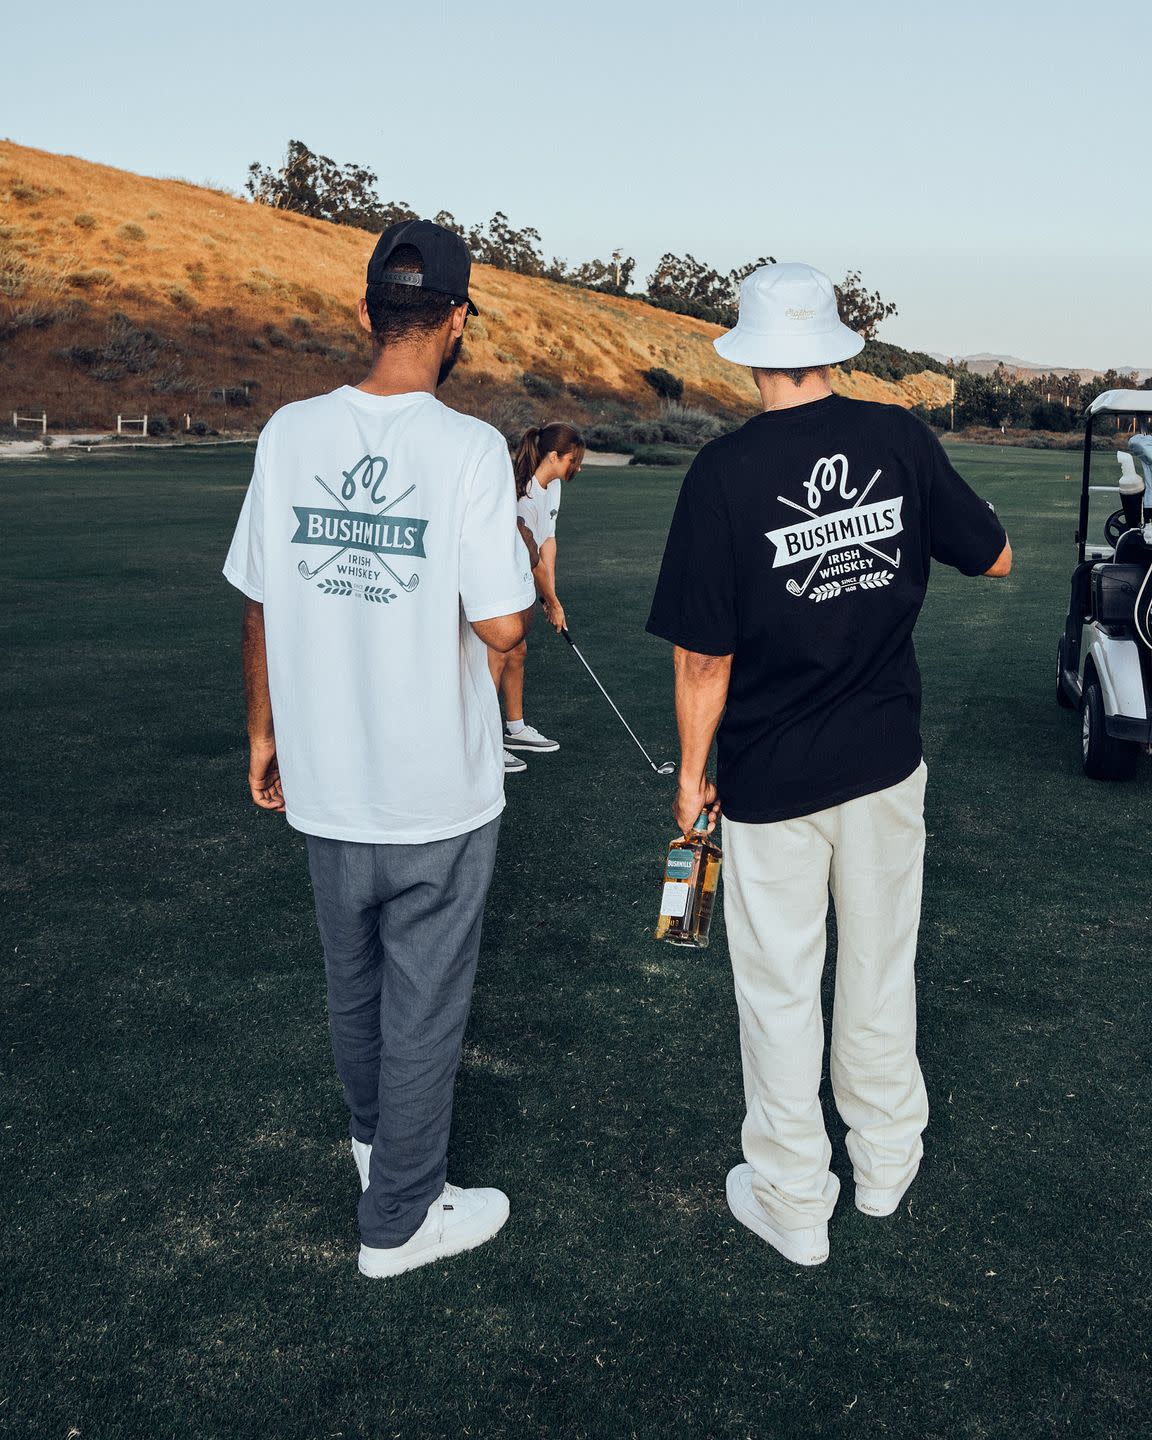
{"x": 362, "y": 314}
{"x": 459, "y": 320}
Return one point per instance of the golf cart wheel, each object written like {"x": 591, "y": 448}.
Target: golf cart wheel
{"x": 1104, "y": 757}
{"x": 1061, "y": 694}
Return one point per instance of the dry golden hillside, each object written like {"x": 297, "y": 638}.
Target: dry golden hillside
{"x": 122, "y": 293}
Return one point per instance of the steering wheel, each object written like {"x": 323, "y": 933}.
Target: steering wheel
{"x": 1115, "y": 526}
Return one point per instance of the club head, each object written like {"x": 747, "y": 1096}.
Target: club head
{"x": 793, "y": 588}
{"x": 668, "y": 768}
{"x": 303, "y": 569}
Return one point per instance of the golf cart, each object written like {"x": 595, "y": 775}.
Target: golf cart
{"x": 1104, "y": 659}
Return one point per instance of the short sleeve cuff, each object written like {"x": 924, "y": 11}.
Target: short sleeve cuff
{"x": 491, "y": 609}
{"x": 985, "y": 564}
{"x": 698, "y": 644}
{"x": 243, "y": 584}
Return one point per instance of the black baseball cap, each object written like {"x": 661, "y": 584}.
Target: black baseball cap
{"x": 447, "y": 264}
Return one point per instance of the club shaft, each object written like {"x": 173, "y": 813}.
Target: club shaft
{"x": 611, "y": 702}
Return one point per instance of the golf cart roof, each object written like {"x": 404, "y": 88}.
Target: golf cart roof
{"x": 1122, "y": 402}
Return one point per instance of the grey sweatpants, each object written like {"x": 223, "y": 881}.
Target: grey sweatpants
{"x": 401, "y": 931}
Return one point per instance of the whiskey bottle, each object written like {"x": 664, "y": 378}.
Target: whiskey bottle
{"x": 691, "y": 874}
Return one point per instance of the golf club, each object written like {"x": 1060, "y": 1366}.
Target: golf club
{"x": 406, "y": 585}
{"x": 668, "y": 767}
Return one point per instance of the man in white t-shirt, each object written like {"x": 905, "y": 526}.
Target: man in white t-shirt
{"x": 378, "y": 551}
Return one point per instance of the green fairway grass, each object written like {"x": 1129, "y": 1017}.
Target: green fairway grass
{"x": 179, "y": 1200}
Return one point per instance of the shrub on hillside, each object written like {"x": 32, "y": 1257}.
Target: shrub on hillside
{"x": 132, "y": 233}
{"x": 84, "y": 221}
{"x": 126, "y": 350}
{"x": 684, "y": 425}
{"x": 89, "y": 279}
{"x": 891, "y": 362}
{"x": 539, "y": 386}
{"x": 234, "y": 395}
{"x": 665, "y": 384}
{"x": 662, "y": 455}
{"x": 511, "y": 414}
{"x": 616, "y": 438}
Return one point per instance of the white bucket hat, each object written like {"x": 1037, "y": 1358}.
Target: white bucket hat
{"x": 788, "y": 320}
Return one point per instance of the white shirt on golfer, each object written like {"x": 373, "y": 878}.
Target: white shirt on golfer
{"x": 375, "y": 528}
{"x": 538, "y": 507}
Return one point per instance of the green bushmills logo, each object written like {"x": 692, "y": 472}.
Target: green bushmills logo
{"x": 362, "y": 537}
{"x": 679, "y": 866}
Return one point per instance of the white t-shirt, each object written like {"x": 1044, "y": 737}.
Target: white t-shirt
{"x": 538, "y": 508}
{"x": 375, "y": 528}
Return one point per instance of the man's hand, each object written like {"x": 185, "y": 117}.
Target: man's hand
{"x": 692, "y": 796}
{"x": 555, "y": 613}
{"x": 264, "y": 775}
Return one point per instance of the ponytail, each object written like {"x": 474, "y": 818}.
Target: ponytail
{"x": 526, "y": 460}
{"x": 537, "y": 442}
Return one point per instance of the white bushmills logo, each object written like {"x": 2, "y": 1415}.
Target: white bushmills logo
{"x": 838, "y": 539}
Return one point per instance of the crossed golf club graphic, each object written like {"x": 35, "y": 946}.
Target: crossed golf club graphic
{"x": 406, "y": 585}
{"x": 791, "y": 586}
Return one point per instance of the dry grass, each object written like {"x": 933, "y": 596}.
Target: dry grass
{"x": 218, "y": 279}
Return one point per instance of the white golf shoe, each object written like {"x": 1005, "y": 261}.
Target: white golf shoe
{"x": 802, "y": 1247}
{"x": 458, "y": 1220}
{"x": 362, "y": 1154}
{"x": 529, "y": 738}
{"x": 871, "y": 1200}
{"x": 513, "y": 764}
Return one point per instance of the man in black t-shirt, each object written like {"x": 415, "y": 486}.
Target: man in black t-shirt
{"x": 794, "y": 571}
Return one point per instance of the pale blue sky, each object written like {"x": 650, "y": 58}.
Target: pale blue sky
{"x": 980, "y": 163}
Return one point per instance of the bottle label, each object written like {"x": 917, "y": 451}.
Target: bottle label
{"x": 679, "y": 865}
{"x": 674, "y": 901}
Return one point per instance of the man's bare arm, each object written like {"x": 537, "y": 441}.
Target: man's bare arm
{"x": 701, "y": 694}
{"x": 263, "y": 768}
{"x": 1003, "y": 565}
{"x": 504, "y": 632}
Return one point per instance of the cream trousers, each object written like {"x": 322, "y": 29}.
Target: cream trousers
{"x": 869, "y": 853}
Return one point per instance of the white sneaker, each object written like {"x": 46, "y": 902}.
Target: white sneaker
{"x": 872, "y": 1200}
{"x": 513, "y": 764}
{"x": 528, "y": 739}
{"x": 458, "y": 1220}
{"x": 362, "y": 1154}
{"x": 802, "y": 1247}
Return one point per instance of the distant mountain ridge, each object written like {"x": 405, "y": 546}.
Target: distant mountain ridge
{"x": 984, "y": 363}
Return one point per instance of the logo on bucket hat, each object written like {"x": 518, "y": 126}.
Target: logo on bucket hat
{"x": 788, "y": 320}
{"x": 447, "y": 264}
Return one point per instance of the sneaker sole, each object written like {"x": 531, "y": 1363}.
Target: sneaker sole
{"x": 443, "y": 1251}
{"x": 754, "y": 1221}
{"x": 511, "y": 743}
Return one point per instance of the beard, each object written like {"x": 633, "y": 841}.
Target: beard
{"x": 448, "y": 364}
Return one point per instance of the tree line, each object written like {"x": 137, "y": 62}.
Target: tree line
{"x": 311, "y": 184}
{"x": 1005, "y": 399}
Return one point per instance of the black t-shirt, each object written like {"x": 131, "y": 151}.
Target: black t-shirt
{"x": 801, "y": 546}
